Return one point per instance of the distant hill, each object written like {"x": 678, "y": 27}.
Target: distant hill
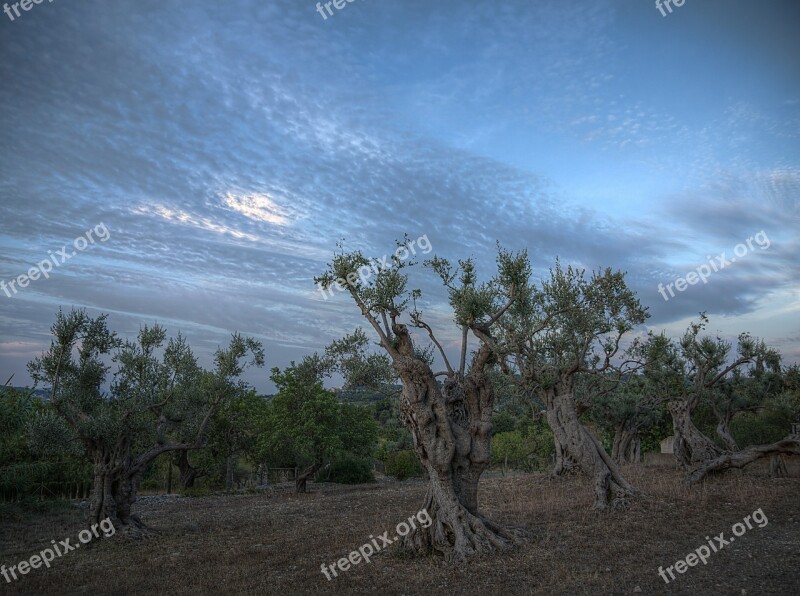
{"x": 42, "y": 394}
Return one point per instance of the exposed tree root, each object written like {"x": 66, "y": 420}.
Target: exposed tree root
{"x": 136, "y": 529}
{"x": 456, "y": 534}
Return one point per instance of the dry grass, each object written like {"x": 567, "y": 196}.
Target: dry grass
{"x": 274, "y": 543}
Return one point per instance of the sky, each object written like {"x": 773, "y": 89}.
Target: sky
{"x": 217, "y": 152}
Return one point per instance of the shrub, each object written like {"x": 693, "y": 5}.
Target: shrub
{"x": 509, "y": 448}
{"x": 196, "y": 491}
{"x": 528, "y": 449}
{"x": 503, "y": 422}
{"x": 151, "y": 484}
{"x": 350, "y": 470}
{"x": 403, "y": 464}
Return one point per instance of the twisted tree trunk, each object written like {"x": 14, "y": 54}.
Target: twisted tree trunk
{"x": 578, "y": 444}
{"x": 451, "y": 429}
{"x": 627, "y": 445}
{"x": 724, "y": 433}
{"x": 188, "y": 473}
{"x": 301, "y": 479}
{"x": 115, "y": 485}
{"x": 563, "y": 464}
{"x": 690, "y": 447}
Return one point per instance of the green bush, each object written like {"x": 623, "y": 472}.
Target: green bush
{"x": 508, "y": 448}
{"x": 403, "y": 464}
{"x": 758, "y": 429}
{"x": 503, "y": 422}
{"x": 151, "y": 484}
{"x": 530, "y": 448}
{"x": 350, "y": 470}
{"x": 196, "y": 491}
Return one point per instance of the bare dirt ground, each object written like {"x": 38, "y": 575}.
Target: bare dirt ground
{"x": 275, "y": 542}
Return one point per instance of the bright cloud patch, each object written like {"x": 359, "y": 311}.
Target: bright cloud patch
{"x": 259, "y": 207}
{"x": 183, "y": 217}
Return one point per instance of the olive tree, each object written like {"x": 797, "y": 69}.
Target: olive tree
{"x": 160, "y": 401}
{"x": 626, "y": 411}
{"x": 564, "y": 334}
{"x": 701, "y": 368}
{"x": 448, "y": 412}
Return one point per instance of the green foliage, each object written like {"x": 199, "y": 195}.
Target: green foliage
{"x": 358, "y": 431}
{"x": 44, "y": 479}
{"x": 302, "y": 421}
{"x": 720, "y": 386}
{"x": 530, "y": 447}
{"x": 16, "y": 409}
{"x": 540, "y": 438}
{"x": 653, "y": 435}
{"x": 403, "y": 464}
{"x": 196, "y": 492}
{"x": 349, "y": 469}
{"x": 570, "y": 325}
{"x": 49, "y": 436}
{"x": 509, "y": 448}
{"x": 770, "y": 424}
{"x": 160, "y": 399}
{"x": 305, "y": 425}
{"x": 47, "y": 468}
{"x": 628, "y": 404}
{"x": 233, "y": 432}
{"x": 503, "y": 422}
{"x": 360, "y": 367}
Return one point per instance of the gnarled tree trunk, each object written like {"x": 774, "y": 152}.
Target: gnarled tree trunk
{"x": 188, "y": 473}
{"x": 577, "y": 443}
{"x": 451, "y": 430}
{"x": 301, "y": 479}
{"x": 564, "y": 464}
{"x": 115, "y": 486}
{"x": 627, "y": 445}
{"x": 724, "y": 433}
{"x": 690, "y": 447}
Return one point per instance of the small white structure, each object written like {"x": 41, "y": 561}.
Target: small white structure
{"x": 796, "y": 428}
{"x": 667, "y": 444}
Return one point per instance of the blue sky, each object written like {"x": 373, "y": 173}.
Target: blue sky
{"x": 228, "y": 147}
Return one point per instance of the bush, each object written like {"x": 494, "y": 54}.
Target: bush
{"x": 508, "y": 448}
{"x": 196, "y": 491}
{"x": 152, "y": 484}
{"x": 403, "y": 464}
{"x": 350, "y": 470}
{"x": 527, "y": 449}
{"x": 503, "y": 422}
